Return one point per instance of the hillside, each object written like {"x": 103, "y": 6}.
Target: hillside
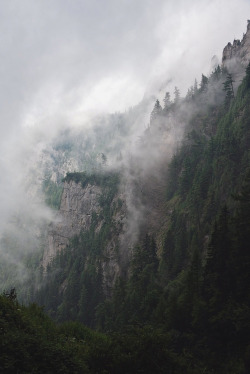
{"x": 153, "y": 250}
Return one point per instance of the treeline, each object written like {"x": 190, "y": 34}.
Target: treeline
{"x": 32, "y": 343}
{"x": 197, "y": 322}
{"x": 204, "y": 305}
{"x": 196, "y": 286}
{"x": 72, "y": 286}
{"x": 185, "y": 306}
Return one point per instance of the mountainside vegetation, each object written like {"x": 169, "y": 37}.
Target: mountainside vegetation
{"x": 73, "y": 280}
{"x": 183, "y": 303}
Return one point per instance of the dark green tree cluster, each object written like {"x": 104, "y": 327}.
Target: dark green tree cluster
{"x": 197, "y": 287}
{"x": 31, "y": 343}
{"x": 185, "y": 306}
{"x": 73, "y": 283}
{"x": 53, "y": 193}
{"x": 229, "y": 90}
{"x": 133, "y": 301}
{"x": 202, "y": 101}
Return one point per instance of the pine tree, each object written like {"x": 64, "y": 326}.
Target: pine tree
{"x": 156, "y": 112}
{"x": 167, "y": 102}
{"x": 229, "y": 89}
{"x": 176, "y": 95}
{"x": 195, "y": 87}
{"x": 216, "y": 74}
{"x": 248, "y": 76}
{"x": 203, "y": 84}
{"x": 190, "y": 94}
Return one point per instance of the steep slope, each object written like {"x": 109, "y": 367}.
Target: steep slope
{"x": 197, "y": 288}
{"x": 165, "y": 243}
{"x": 188, "y": 275}
{"x": 102, "y": 221}
{"x": 239, "y": 51}
{"x": 77, "y": 207}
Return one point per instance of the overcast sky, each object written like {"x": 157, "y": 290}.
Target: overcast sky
{"x": 60, "y": 58}
{"x": 63, "y": 59}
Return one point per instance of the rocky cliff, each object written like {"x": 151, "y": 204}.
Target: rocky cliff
{"x": 236, "y": 55}
{"x": 77, "y": 207}
{"x": 138, "y": 209}
{"x": 100, "y": 208}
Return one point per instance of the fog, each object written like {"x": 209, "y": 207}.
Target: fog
{"x": 65, "y": 62}
{"x": 67, "y": 58}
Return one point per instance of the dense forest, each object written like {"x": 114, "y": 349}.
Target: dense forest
{"x": 183, "y": 305}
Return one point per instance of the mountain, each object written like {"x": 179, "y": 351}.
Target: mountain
{"x": 152, "y": 248}
{"x": 239, "y": 51}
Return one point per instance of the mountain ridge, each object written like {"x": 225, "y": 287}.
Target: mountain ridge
{"x": 158, "y": 253}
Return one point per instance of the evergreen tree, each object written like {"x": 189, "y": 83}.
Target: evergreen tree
{"x": 216, "y": 74}
{"x": 176, "y": 95}
{"x": 248, "y": 76}
{"x": 167, "y": 102}
{"x": 229, "y": 90}
{"x": 195, "y": 87}
{"x": 203, "y": 84}
{"x": 156, "y": 112}
{"x": 190, "y": 94}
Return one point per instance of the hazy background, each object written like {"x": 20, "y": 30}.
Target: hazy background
{"x": 63, "y": 61}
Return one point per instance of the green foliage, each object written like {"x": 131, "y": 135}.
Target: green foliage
{"x": 247, "y": 78}
{"x": 31, "y": 343}
{"x": 183, "y": 308}
{"x": 73, "y": 282}
{"x": 198, "y": 288}
{"x": 53, "y": 193}
{"x": 229, "y": 90}
{"x": 101, "y": 179}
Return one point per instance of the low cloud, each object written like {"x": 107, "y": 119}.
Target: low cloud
{"x": 65, "y": 62}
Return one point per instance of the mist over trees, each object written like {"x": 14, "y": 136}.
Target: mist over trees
{"x": 157, "y": 278}
{"x": 184, "y": 296}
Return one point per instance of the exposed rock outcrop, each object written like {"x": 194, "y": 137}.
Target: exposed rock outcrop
{"x": 232, "y": 51}
{"x": 77, "y": 207}
{"x": 236, "y": 55}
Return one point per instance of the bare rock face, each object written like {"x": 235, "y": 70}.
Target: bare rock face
{"x": 77, "y": 206}
{"x": 231, "y": 50}
{"x": 238, "y": 52}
